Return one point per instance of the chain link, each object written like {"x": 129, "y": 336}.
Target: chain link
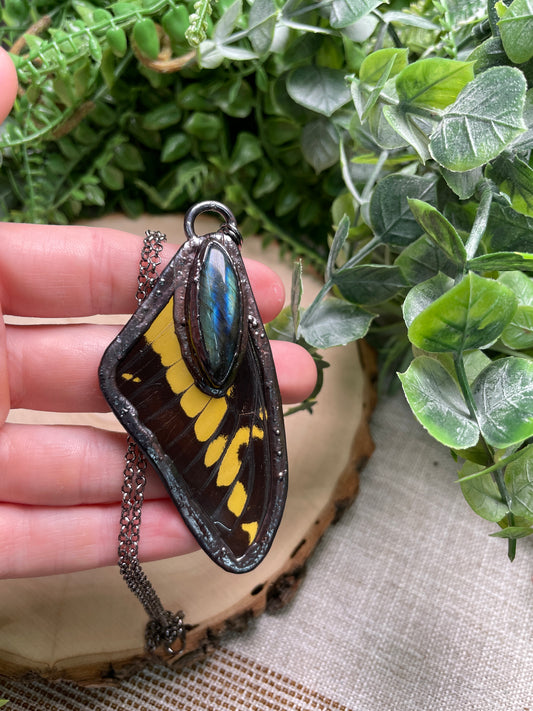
{"x": 164, "y": 627}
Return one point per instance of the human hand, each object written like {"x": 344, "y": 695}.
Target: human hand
{"x": 60, "y": 486}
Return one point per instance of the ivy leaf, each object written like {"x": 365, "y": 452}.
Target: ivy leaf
{"x": 261, "y": 24}
{"x": 518, "y": 334}
{"x": 515, "y": 178}
{"x": 482, "y": 494}
{"x": 391, "y": 218}
{"x": 346, "y": 12}
{"x": 463, "y": 184}
{"x": 437, "y": 403}
{"x": 520, "y": 284}
{"x": 320, "y": 144}
{"x": 422, "y": 260}
{"x": 502, "y": 261}
{"x": 341, "y": 235}
{"x": 439, "y": 229}
{"x": 513, "y": 532}
{"x": 320, "y": 89}
{"x": 368, "y": 284}
{"x": 516, "y": 29}
{"x": 508, "y": 230}
{"x": 503, "y": 394}
{"x": 423, "y": 295}
{"x": 409, "y": 129}
{"x": 519, "y": 483}
{"x": 434, "y": 82}
{"x": 375, "y": 64}
{"x": 472, "y": 314}
{"x": 334, "y": 322}
{"x": 224, "y": 27}
{"x": 485, "y": 118}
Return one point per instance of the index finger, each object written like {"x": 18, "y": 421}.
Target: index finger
{"x": 57, "y": 271}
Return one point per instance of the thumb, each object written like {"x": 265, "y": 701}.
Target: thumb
{"x": 8, "y": 84}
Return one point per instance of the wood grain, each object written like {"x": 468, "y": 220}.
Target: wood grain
{"x": 87, "y": 627}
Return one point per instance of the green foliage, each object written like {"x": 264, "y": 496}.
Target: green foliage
{"x": 408, "y": 128}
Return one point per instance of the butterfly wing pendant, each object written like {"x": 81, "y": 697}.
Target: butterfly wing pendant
{"x": 192, "y": 380}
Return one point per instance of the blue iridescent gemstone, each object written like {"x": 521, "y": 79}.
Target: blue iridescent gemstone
{"x": 219, "y": 313}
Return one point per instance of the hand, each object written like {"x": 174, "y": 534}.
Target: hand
{"x": 60, "y": 486}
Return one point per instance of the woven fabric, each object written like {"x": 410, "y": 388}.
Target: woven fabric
{"x": 407, "y": 604}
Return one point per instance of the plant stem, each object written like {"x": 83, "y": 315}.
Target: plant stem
{"x": 500, "y": 481}
{"x": 480, "y": 223}
{"x": 498, "y": 473}
{"x": 367, "y": 249}
{"x": 464, "y": 384}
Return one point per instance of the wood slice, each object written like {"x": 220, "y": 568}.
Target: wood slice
{"x": 87, "y": 627}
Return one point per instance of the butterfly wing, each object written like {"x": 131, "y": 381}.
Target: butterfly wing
{"x": 220, "y": 450}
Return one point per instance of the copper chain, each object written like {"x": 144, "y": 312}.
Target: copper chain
{"x": 164, "y": 627}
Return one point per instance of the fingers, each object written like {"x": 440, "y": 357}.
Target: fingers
{"x": 55, "y": 367}
{"x": 81, "y": 271}
{"x": 47, "y": 540}
{"x": 8, "y": 82}
{"x": 65, "y": 466}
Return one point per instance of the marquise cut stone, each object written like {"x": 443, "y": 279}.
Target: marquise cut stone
{"x": 219, "y": 313}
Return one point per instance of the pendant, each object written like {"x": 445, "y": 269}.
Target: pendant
{"x": 192, "y": 380}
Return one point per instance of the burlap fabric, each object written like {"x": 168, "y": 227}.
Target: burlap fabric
{"x": 407, "y": 604}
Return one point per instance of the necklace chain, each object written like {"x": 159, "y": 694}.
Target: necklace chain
{"x": 164, "y": 627}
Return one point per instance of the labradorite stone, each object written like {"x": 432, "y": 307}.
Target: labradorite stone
{"x": 219, "y": 312}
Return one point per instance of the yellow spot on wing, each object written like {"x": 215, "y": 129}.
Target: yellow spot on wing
{"x": 179, "y": 378}
{"x": 210, "y": 418}
{"x": 162, "y": 337}
{"x": 214, "y": 450}
{"x": 193, "y": 401}
{"x": 231, "y": 464}
{"x": 237, "y": 499}
{"x": 251, "y": 530}
{"x": 129, "y": 376}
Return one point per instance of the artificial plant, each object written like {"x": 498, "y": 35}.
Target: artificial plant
{"x": 388, "y": 145}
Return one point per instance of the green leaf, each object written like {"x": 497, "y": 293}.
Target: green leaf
{"x": 368, "y": 284}
{"x": 463, "y": 184}
{"x": 373, "y": 66}
{"x": 482, "y": 494}
{"x": 437, "y": 403}
{"x": 176, "y": 146}
{"x": 484, "y": 119}
{"x": 434, "y": 82}
{"x": 503, "y": 394}
{"x": 246, "y": 150}
{"x": 508, "y": 230}
{"x": 423, "y": 295}
{"x": 502, "y": 261}
{"x": 261, "y": 24}
{"x": 346, "y": 12}
{"x": 320, "y": 144}
{"x": 281, "y": 328}
{"x": 472, "y": 314}
{"x": 513, "y": 532}
{"x": 422, "y": 260}
{"x": 409, "y": 129}
{"x": 515, "y": 178}
{"x": 341, "y": 235}
{"x": 518, "y": 334}
{"x": 319, "y": 89}
{"x": 439, "y": 229}
{"x": 516, "y": 29}
{"x": 334, "y": 322}
{"x": 520, "y": 284}
{"x": 161, "y": 117}
{"x": 391, "y": 218}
